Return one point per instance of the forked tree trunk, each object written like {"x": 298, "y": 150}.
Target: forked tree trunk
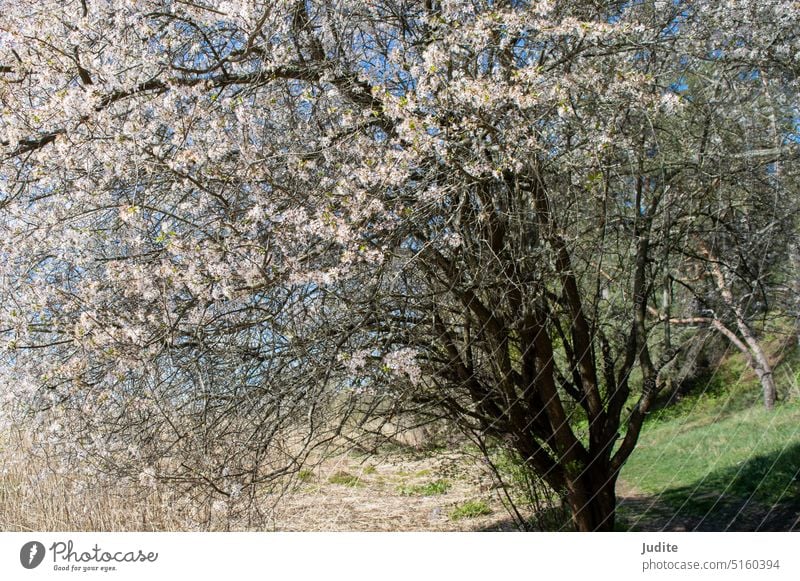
{"x": 755, "y": 356}
{"x": 754, "y": 353}
{"x": 751, "y": 348}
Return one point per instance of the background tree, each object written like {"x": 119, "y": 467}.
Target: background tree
{"x": 229, "y": 228}
{"x": 732, "y": 251}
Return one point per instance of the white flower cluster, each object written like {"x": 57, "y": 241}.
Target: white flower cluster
{"x": 403, "y": 362}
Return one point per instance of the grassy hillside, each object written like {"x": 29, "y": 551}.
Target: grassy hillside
{"x": 716, "y": 460}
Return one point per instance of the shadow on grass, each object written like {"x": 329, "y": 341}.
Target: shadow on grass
{"x": 760, "y": 494}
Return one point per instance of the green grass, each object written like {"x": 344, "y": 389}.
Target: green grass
{"x": 344, "y": 479}
{"x": 714, "y": 457}
{"x": 470, "y": 509}
{"x": 305, "y": 475}
{"x": 731, "y": 388}
{"x": 429, "y": 489}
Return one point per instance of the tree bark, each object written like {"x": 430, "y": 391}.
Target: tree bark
{"x": 756, "y": 357}
{"x": 762, "y": 367}
{"x": 592, "y": 499}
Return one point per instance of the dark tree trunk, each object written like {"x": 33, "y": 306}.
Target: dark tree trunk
{"x": 592, "y": 500}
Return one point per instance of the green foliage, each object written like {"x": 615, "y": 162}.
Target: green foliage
{"x": 541, "y": 506}
{"x": 511, "y": 469}
{"x": 732, "y": 386}
{"x": 728, "y": 388}
{"x": 470, "y": 509}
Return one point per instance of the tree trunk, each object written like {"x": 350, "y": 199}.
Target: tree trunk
{"x": 794, "y": 260}
{"x": 756, "y": 358}
{"x": 592, "y": 500}
{"x": 763, "y": 370}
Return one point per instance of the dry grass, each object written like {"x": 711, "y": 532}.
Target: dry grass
{"x": 33, "y": 497}
{"x": 402, "y": 494}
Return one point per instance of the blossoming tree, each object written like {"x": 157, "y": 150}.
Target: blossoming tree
{"x": 229, "y": 227}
